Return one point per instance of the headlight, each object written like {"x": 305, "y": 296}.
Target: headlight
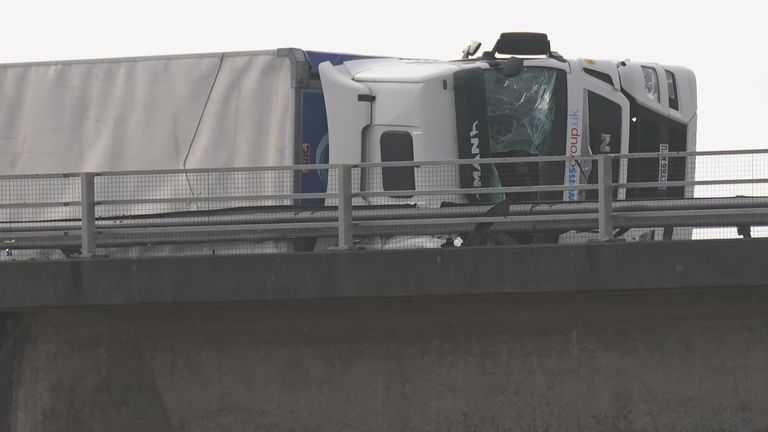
{"x": 651, "y": 83}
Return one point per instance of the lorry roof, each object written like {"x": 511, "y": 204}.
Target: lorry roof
{"x": 406, "y": 70}
{"x": 399, "y": 70}
{"x": 138, "y": 58}
{"x": 313, "y": 57}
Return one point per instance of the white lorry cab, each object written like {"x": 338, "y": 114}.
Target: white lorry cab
{"x": 519, "y": 99}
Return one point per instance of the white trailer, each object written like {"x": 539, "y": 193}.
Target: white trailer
{"x": 292, "y": 107}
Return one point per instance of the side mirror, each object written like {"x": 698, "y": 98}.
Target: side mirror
{"x": 512, "y": 67}
{"x": 470, "y": 49}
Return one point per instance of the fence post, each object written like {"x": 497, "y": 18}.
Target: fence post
{"x": 87, "y": 215}
{"x": 344, "y": 176}
{"x": 605, "y": 196}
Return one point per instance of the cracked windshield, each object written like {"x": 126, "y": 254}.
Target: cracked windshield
{"x": 522, "y": 112}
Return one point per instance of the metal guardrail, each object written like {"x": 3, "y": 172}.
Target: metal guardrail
{"x": 94, "y": 211}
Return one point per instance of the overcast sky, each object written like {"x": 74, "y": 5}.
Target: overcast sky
{"x": 721, "y": 41}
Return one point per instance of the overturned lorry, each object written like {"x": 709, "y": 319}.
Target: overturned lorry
{"x": 542, "y": 105}
{"x": 295, "y": 107}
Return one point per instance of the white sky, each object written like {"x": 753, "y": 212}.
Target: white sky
{"x": 720, "y": 41}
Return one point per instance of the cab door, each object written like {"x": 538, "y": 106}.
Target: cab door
{"x": 606, "y": 120}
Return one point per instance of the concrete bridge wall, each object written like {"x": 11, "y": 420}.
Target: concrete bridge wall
{"x": 604, "y": 337}
{"x": 637, "y": 362}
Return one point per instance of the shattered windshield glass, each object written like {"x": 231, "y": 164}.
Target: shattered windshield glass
{"x": 522, "y": 111}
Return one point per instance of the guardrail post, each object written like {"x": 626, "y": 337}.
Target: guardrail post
{"x": 344, "y": 176}
{"x": 605, "y": 196}
{"x": 87, "y": 215}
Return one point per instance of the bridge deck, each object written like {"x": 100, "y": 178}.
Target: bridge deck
{"x": 593, "y": 267}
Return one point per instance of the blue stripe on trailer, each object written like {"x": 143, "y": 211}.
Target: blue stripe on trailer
{"x": 314, "y": 144}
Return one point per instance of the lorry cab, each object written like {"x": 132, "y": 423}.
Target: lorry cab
{"x": 499, "y": 105}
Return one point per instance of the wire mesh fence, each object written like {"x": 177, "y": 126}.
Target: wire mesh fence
{"x": 36, "y": 206}
{"x": 747, "y": 177}
{"x": 232, "y": 211}
{"x": 441, "y": 204}
{"x": 392, "y": 205}
{"x": 729, "y": 188}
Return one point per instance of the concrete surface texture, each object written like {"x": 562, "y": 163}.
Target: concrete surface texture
{"x": 9, "y": 341}
{"x": 601, "y": 266}
{"x": 656, "y": 361}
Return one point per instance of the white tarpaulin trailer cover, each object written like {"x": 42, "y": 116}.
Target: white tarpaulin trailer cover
{"x": 189, "y": 111}
{"x": 195, "y": 111}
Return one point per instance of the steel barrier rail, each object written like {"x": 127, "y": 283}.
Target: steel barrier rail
{"x": 425, "y": 226}
{"x": 346, "y": 221}
{"x": 251, "y": 216}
